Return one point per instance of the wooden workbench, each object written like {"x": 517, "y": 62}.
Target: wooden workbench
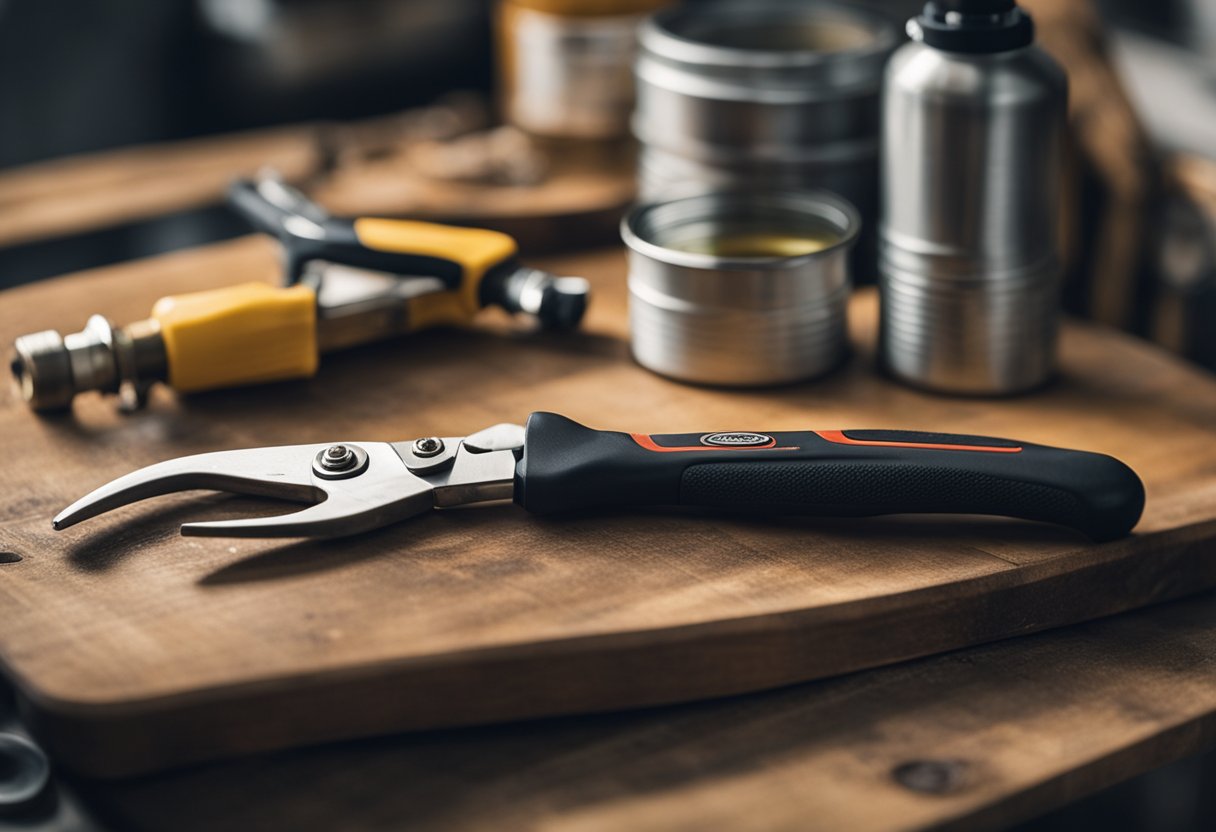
{"x": 976, "y": 739}
{"x": 135, "y": 649}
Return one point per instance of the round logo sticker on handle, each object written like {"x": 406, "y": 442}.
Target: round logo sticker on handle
{"x": 737, "y": 439}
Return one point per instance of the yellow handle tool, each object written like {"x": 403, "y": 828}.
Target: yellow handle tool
{"x": 470, "y": 253}
{"x": 469, "y": 268}
{"x": 349, "y": 282}
{"x": 243, "y": 334}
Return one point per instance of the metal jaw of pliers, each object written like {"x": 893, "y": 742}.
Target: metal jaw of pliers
{"x": 351, "y": 487}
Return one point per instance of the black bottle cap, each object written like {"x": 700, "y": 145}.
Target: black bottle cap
{"x": 974, "y": 26}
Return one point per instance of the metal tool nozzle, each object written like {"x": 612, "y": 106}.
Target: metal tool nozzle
{"x": 51, "y": 369}
{"x": 42, "y": 371}
{"x": 557, "y": 302}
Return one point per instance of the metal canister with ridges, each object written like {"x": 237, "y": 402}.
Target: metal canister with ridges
{"x": 740, "y": 287}
{"x": 763, "y": 93}
{"x": 968, "y": 254}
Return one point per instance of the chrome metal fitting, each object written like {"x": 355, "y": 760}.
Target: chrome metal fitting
{"x": 556, "y": 302}
{"x": 51, "y": 369}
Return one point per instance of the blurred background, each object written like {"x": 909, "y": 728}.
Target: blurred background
{"x": 123, "y": 121}
{"x": 138, "y": 71}
{"x": 318, "y": 89}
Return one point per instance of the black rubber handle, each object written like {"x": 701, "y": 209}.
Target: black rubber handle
{"x": 567, "y": 466}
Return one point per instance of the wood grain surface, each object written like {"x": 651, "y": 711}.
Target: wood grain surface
{"x": 136, "y": 648}
{"x": 577, "y": 203}
{"x": 976, "y": 739}
{"x": 92, "y": 191}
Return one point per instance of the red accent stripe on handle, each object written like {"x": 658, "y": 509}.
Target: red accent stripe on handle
{"x": 838, "y": 437}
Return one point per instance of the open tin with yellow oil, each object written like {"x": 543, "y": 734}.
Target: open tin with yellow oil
{"x": 740, "y": 287}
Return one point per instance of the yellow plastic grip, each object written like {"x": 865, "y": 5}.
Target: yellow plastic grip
{"x": 475, "y": 250}
{"x": 243, "y": 334}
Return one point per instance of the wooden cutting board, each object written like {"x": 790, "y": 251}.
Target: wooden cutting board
{"x": 975, "y": 739}
{"x": 136, "y": 649}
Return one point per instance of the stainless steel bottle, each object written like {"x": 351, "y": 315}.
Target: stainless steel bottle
{"x": 971, "y": 155}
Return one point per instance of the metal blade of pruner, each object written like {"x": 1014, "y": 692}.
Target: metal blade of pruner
{"x": 350, "y": 487}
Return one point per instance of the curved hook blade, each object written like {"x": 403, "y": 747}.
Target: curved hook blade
{"x": 384, "y": 493}
{"x": 283, "y": 472}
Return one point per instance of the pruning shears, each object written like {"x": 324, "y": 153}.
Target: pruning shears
{"x": 556, "y": 464}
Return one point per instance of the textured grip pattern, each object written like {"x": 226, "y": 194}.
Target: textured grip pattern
{"x": 567, "y": 466}
{"x": 878, "y": 488}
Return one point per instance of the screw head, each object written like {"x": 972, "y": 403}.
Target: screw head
{"x": 428, "y": 446}
{"x": 337, "y": 458}
{"x": 339, "y": 462}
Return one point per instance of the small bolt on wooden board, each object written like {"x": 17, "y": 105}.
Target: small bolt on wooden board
{"x": 135, "y": 649}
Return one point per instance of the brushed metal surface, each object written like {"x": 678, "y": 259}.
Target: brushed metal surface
{"x": 568, "y": 75}
{"x": 968, "y": 249}
{"x": 767, "y": 93}
{"x": 738, "y": 321}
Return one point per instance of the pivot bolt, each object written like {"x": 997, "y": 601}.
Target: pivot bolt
{"x": 428, "y": 446}
{"x": 337, "y": 458}
{"x": 338, "y": 462}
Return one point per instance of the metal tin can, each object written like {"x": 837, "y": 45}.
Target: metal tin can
{"x": 740, "y": 287}
{"x": 566, "y": 65}
{"x": 765, "y": 93}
